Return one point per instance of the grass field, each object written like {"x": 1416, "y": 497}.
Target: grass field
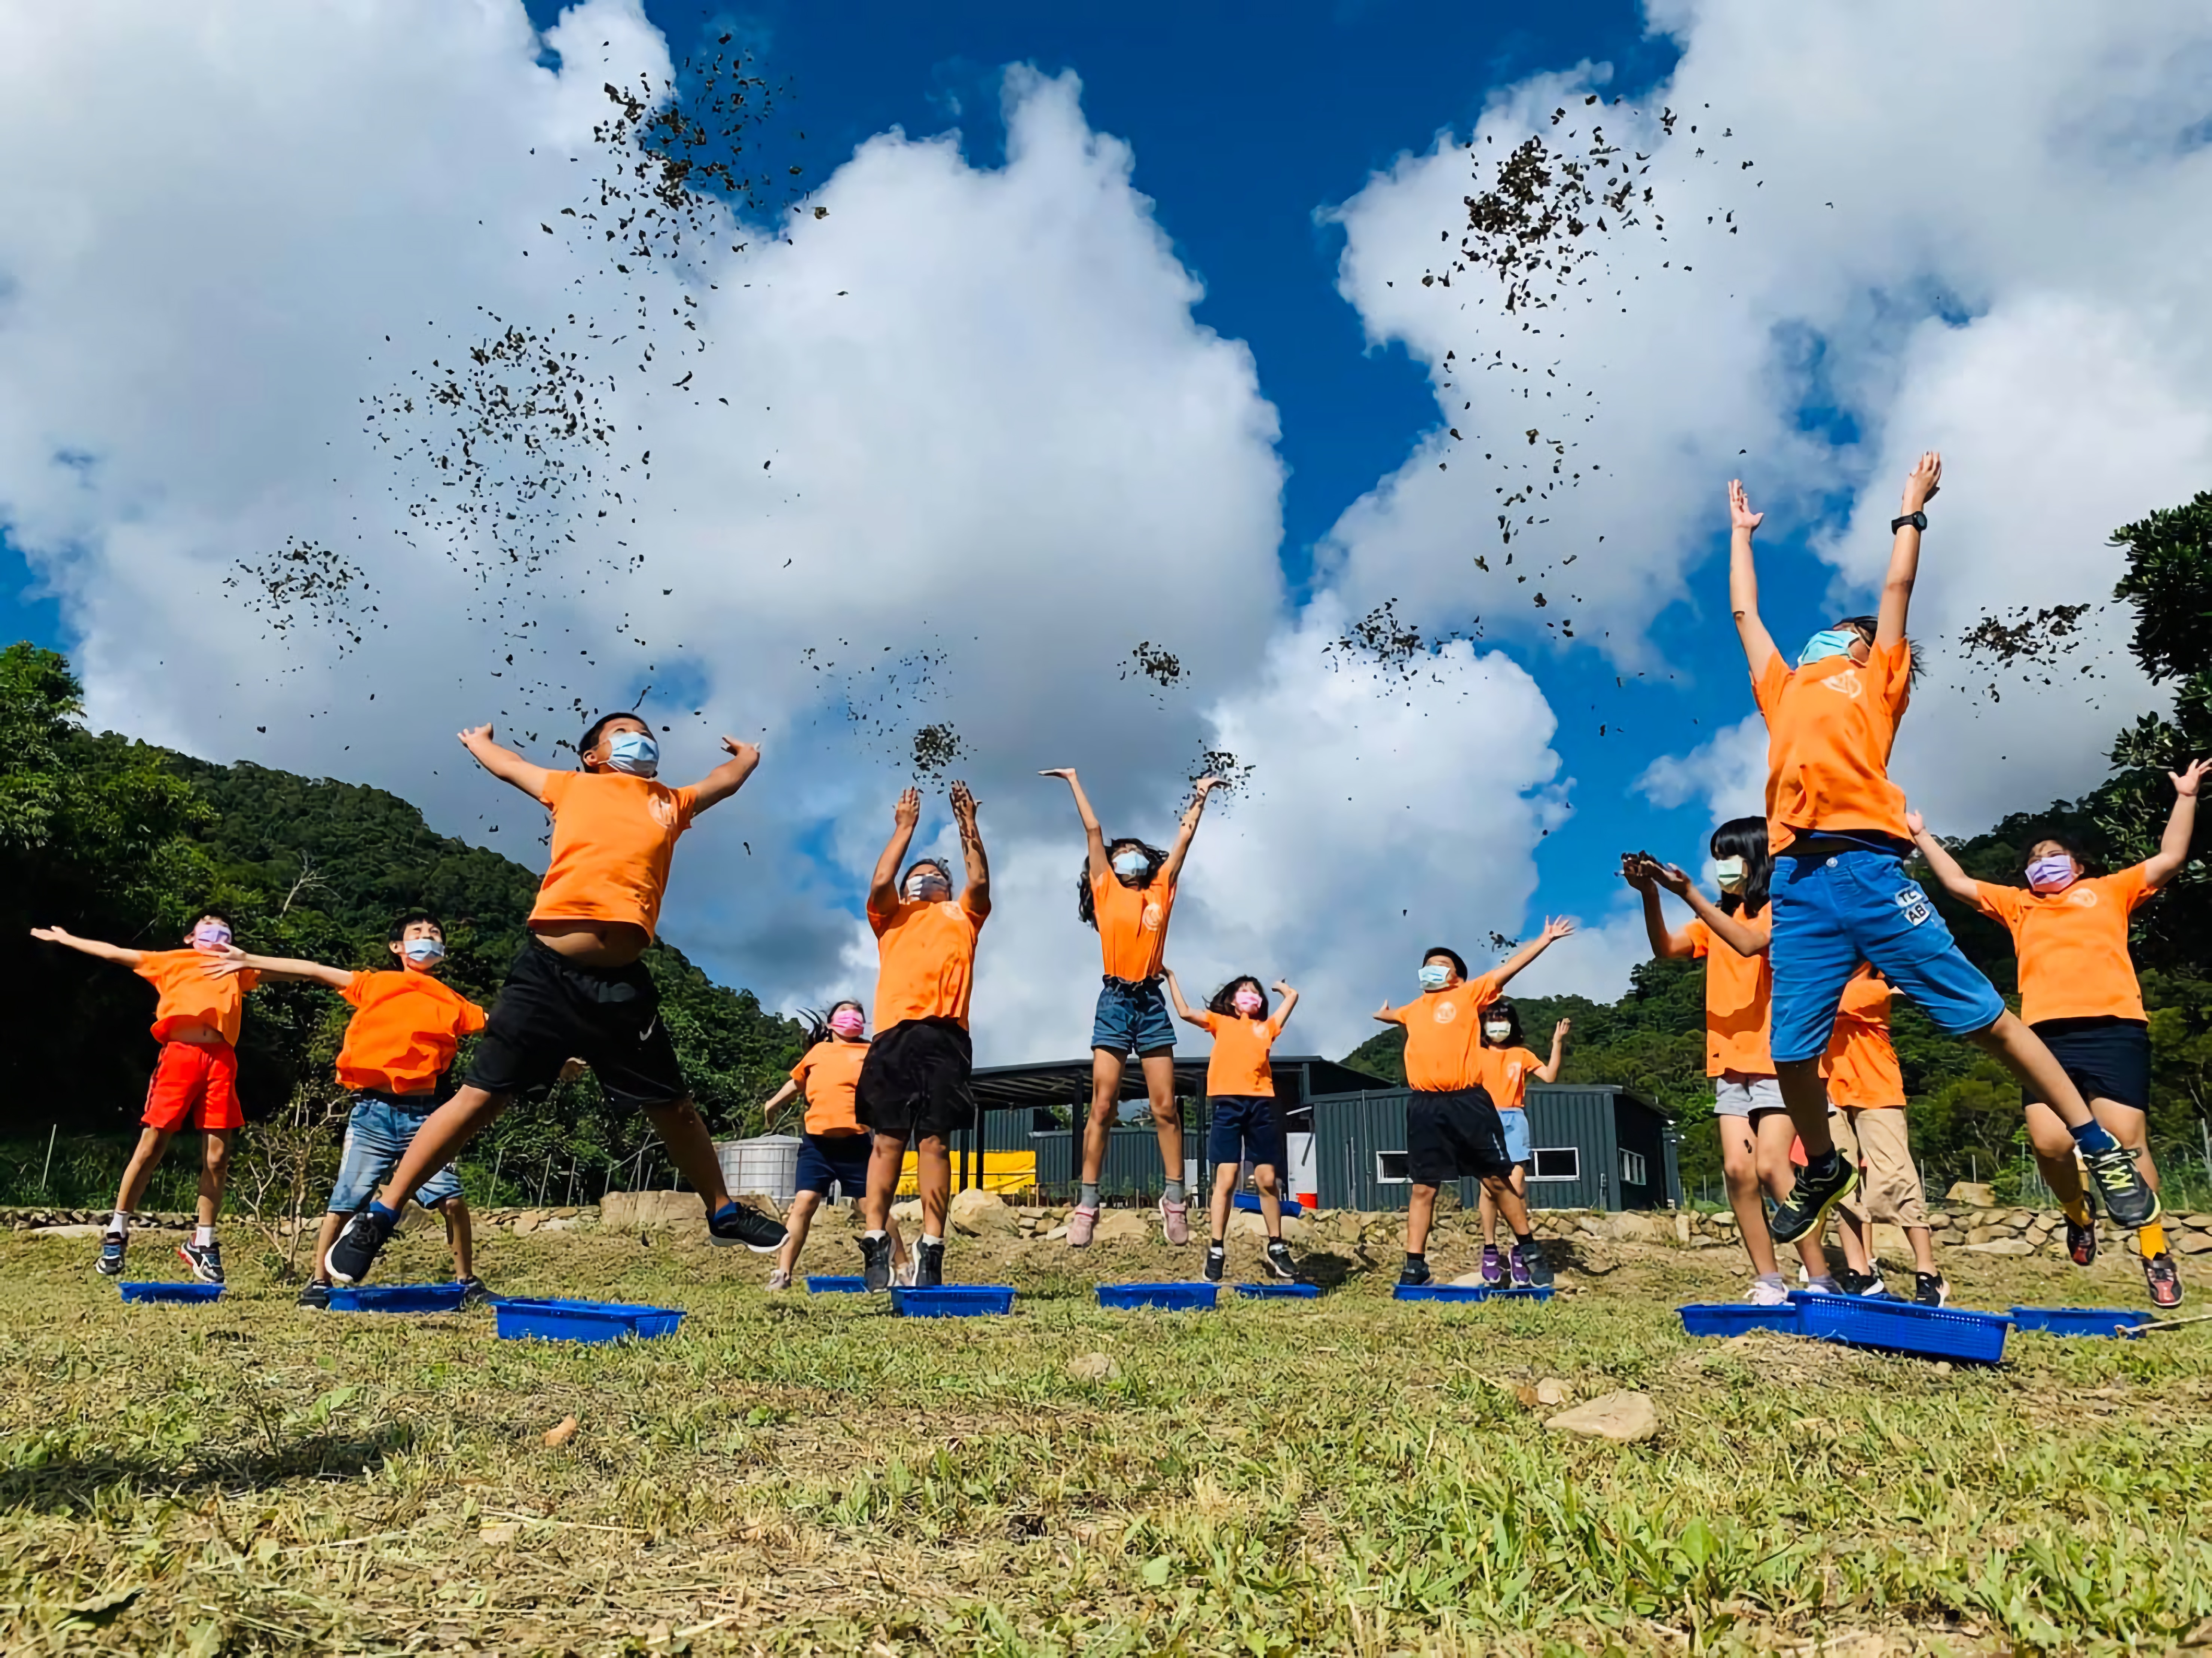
{"x": 791, "y": 1474}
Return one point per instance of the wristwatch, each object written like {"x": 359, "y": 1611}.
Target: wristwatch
{"x": 1918, "y": 520}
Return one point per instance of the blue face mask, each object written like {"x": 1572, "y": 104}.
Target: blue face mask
{"x": 634, "y": 752}
{"x": 424, "y": 949}
{"x": 1829, "y": 641}
{"x": 1130, "y": 863}
{"x": 1433, "y": 975}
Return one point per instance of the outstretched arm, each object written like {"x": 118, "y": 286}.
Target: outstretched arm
{"x": 1641, "y": 870}
{"x": 92, "y": 947}
{"x": 1956, "y": 881}
{"x": 883, "y": 888}
{"x": 978, "y": 896}
{"x": 1172, "y": 870}
{"x": 727, "y": 779}
{"x": 1920, "y": 486}
{"x": 1743, "y": 582}
{"x": 1554, "y": 929}
{"x": 1181, "y": 1007}
{"x": 768, "y": 1106}
{"x": 504, "y": 763}
{"x": 1549, "y": 1070}
{"x": 277, "y": 966}
{"x": 1095, "y": 837}
{"x": 1738, "y": 936}
{"x": 2180, "y": 823}
{"x": 1290, "y": 1000}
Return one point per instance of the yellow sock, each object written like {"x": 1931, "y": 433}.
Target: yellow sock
{"x": 2151, "y": 1239}
{"x": 2078, "y": 1211}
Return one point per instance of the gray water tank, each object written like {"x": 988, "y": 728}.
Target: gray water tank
{"x": 769, "y": 1164}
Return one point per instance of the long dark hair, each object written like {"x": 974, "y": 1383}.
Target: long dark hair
{"x": 1869, "y": 625}
{"x": 1504, "y": 1008}
{"x": 1086, "y": 909}
{"x": 1224, "y": 1000}
{"x": 816, "y": 1024}
{"x": 1745, "y": 838}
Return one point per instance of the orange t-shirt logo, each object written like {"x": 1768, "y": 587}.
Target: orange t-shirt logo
{"x": 2086, "y": 897}
{"x": 1847, "y": 683}
{"x": 1152, "y": 918}
{"x": 1446, "y": 1012}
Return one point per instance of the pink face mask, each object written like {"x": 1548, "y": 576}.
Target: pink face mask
{"x": 847, "y": 1023}
{"x": 1246, "y": 1002}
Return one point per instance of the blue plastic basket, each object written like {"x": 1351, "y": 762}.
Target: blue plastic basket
{"x": 1522, "y": 1292}
{"x": 1732, "y": 1318}
{"x": 833, "y": 1285}
{"x": 1442, "y": 1292}
{"x": 1280, "y": 1291}
{"x": 2081, "y": 1320}
{"x": 397, "y": 1298}
{"x": 1249, "y": 1202}
{"x": 158, "y": 1291}
{"x": 522, "y": 1318}
{"x": 1170, "y": 1297}
{"x": 1905, "y": 1326}
{"x": 953, "y": 1301}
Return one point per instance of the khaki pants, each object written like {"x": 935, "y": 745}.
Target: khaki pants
{"x": 1876, "y": 1135}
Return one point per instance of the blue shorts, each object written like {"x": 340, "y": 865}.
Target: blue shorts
{"x": 1247, "y": 1128}
{"x": 1516, "y": 1124}
{"x": 843, "y": 1158}
{"x": 1132, "y": 1018}
{"x": 1834, "y": 911}
{"x": 377, "y": 1134}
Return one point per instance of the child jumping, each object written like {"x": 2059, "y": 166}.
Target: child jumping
{"x": 2079, "y": 993}
{"x": 1240, "y": 1087}
{"x": 1452, "y": 1126}
{"x": 1835, "y": 824}
{"x": 195, "y": 1082}
{"x": 1512, "y": 1066}
{"x": 835, "y": 1146}
{"x": 405, "y": 1032}
{"x": 579, "y": 988}
{"x": 1127, "y": 892}
{"x": 1866, "y": 1084}
{"x": 917, "y": 1083}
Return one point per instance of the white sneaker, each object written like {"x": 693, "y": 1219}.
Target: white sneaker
{"x": 1768, "y": 1292}
{"x": 903, "y": 1275}
{"x": 779, "y": 1279}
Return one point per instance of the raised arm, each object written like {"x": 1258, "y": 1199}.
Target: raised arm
{"x": 883, "y": 888}
{"x": 727, "y": 779}
{"x": 277, "y": 966}
{"x": 2180, "y": 823}
{"x": 1920, "y": 486}
{"x": 92, "y": 947}
{"x": 1743, "y": 582}
{"x": 1549, "y": 1070}
{"x": 1956, "y": 881}
{"x": 1290, "y": 1000}
{"x": 978, "y": 896}
{"x": 1737, "y": 935}
{"x": 1172, "y": 870}
{"x": 1641, "y": 870}
{"x": 504, "y": 763}
{"x": 1095, "y": 837}
{"x": 1181, "y": 1007}
{"x": 1554, "y": 929}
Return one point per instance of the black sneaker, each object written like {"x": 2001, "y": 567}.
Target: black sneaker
{"x": 929, "y": 1266}
{"x": 205, "y": 1259}
{"x": 2082, "y": 1241}
{"x": 1929, "y": 1289}
{"x": 1811, "y": 1197}
{"x": 876, "y": 1262}
{"x": 1416, "y": 1272}
{"x": 473, "y": 1293}
{"x": 2128, "y": 1197}
{"x": 110, "y": 1263}
{"x": 1529, "y": 1266}
{"x": 1861, "y": 1284}
{"x": 352, "y": 1257}
{"x": 316, "y": 1294}
{"x": 736, "y": 1222}
{"x": 1279, "y": 1264}
{"x": 1217, "y": 1261}
{"x": 2164, "y": 1280}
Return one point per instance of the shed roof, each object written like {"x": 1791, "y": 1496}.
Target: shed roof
{"x": 1063, "y": 1082}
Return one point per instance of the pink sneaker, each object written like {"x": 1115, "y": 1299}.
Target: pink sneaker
{"x": 1079, "y": 1224}
{"x": 1175, "y": 1221}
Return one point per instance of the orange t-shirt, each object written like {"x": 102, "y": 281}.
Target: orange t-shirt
{"x": 1443, "y": 1036}
{"x": 1830, "y": 725}
{"x": 189, "y": 996}
{"x": 2073, "y": 945}
{"x": 1738, "y": 992}
{"x": 1238, "y": 1064}
{"x": 1861, "y": 1066}
{"x": 406, "y": 1030}
{"x": 828, "y": 1072}
{"x": 1133, "y": 924}
{"x": 1510, "y": 1068}
{"x": 613, "y": 835}
{"x": 927, "y": 955}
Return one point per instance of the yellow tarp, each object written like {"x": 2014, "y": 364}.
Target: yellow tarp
{"x": 1003, "y": 1171}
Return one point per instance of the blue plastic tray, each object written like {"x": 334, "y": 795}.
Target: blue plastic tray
{"x": 1249, "y": 1202}
{"x": 1173, "y": 1298}
{"x": 1522, "y": 1292}
{"x": 1903, "y": 1326}
{"x": 1279, "y": 1292}
{"x": 837, "y": 1285}
{"x": 953, "y": 1301}
{"x": 521, "y": 1317}
{"x": 1732, "y": 1318}
{"x": 2080, "y": 1321}
{"x": 397, "y": 1298}
{"x": 1442, "y": 1292}
{"x": 155, "y": 1290}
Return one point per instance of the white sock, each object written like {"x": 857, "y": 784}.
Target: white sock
{"x": 871, "y": 1235}
{"x": 938, "y": 1242}
{"x": 202, "y": 1236}
{"x": 120, "y": 1226}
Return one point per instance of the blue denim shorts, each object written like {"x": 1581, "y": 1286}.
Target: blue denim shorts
{"x": 377, "y": 1136}
{"x": 1247, "y": 1127}
{"x": 1516, "y": 1124}
{"x": 841, "y": 1158}
{"x": 1834, "y": 911}
{"x": 1132, "y": 1018}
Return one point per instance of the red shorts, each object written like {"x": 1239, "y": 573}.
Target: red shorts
{"x": 195, "y": 1086}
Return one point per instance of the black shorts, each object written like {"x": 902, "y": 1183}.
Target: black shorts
{"x": 552, "y": 1010}
{"x": 916, "y": 1081}
{"x": 2107, "y": 1058}
{"x": 1451, "y": 1133}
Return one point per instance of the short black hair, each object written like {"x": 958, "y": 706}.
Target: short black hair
{"x": 397, "y": 932}
{"x": 1871, "y": 625}
{"x": 936, "y": 864}
{"x": 590, "y": 737}
{"x": 1224, "y": 1001}
{"x": 1449, "y": 954}
{"x": 1504, "y": 1008}
{"x": 199, "y": 915}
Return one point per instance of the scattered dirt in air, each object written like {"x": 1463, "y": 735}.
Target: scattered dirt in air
{"x": 935, "y": 748}
{"x": 2031, "y": 643}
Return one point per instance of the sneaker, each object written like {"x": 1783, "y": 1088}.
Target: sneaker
{"x": 473, "y": 1292}
{"x": 1081, "y": 1223}
{"x": 876, "y": 1262}
{"x": 1825, "y": 1284}
{"x": 1516, "y": 1267}
{"x": 2127, "y": 1196}
{"x": 1768, "y": 1292}
{"x": 1493, "y": 1266}
{"x": 903, "y": 1272}
{"x": 1929, "y": 1289}
{"x": 1861, "y": 1284}
{"x": 2082, "y": 1241}
{"x": 110, "y": 1263}
{"x": 205, "y": 1259}
{"x": 1175, "y": 1222}
{"x": 735, "y": 1223}
{"x": 1415, "y": 1274}
{"x": 2164, "y": 1280}
{"x": 1805, "y": 1209}
{"x": 779, "y": 1279}
{"x": 316, "y": 1294}
{"x": 1278, "y": 1262}
{"x": 1531, "y": 1268}
{"x": 929, "y": 1265}
{"x": 1217, "y": 1259}
{"x": 354, "y": 1255}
